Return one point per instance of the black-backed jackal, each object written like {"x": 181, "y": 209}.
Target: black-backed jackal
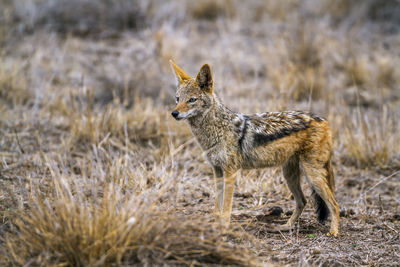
{"x": 299, "y": 141}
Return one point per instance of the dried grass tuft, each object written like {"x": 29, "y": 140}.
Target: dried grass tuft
{"x": 72, "y": 226}
{"x": 301, "y": 77}
{"x": 13, "y": 87}
{"x": 387, "y": 75}
{"x": 356, "y": 71}
{"x": 211, "y": 10}
{"x": 367, "y": 142}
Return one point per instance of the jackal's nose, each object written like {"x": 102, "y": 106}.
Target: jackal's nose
{"x": 175, "y": 113}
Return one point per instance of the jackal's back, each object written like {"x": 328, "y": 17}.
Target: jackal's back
{"x": 269, "y": 139}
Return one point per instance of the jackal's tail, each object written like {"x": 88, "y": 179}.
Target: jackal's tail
{"x": 321, "y": 207}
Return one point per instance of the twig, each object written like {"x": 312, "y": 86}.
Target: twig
{"x": 7, "y": 154}
{"x": 378, "y": 183}
{"x": 391, "y": 228}
{"x": 179, "y": 148}
{"x": 16, "y": 164}
{"x": 19, "y": 145}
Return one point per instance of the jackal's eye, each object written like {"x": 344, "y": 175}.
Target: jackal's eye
{"x": 192, "y": 100}
{"x": 177, "y": 99}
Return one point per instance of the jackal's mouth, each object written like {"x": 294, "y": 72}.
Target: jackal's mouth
{"x": 183, "y": 115}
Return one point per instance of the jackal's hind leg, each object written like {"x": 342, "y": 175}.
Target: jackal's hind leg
{"x": 291, "y": 172}
{"x": 318, "y": 178}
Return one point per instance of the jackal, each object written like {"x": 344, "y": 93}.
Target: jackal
{"x": 298, "y": 141}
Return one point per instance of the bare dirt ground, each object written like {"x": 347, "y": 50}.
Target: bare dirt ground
{"x": 95, "y": 172}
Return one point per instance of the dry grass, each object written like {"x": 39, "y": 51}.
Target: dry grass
{"x": 13, "y": 90}
{"x": 85, "y": 224}
{"x": 368, "y": 143}
{"x": 211, "y": 10}
{"x": 95, "y": 172}
{"x": 301, "y": 76}
{"x": 83, "y": 17}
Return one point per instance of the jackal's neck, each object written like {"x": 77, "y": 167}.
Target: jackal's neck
{"x": 208, "y": 128}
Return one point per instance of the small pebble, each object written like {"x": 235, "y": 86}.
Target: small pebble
{"x": 275, "y": 211}
{"x": 346, "y": 213}
{"x": 206, "y": 194}
{"x": 316, "y": 251}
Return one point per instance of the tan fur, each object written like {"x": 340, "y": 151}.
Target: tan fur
{"x": 298, "y": 141}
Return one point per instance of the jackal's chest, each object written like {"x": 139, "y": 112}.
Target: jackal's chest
{"x": 213, "y": 149}
{"x": 218, "y": 142}
{"x": 207, "y": 136}
{"x": 216, "y": 156}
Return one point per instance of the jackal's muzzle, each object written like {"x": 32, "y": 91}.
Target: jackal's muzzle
{"x": 175, "y": 114}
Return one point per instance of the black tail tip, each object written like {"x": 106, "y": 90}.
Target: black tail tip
{"x": 321, "y": 208}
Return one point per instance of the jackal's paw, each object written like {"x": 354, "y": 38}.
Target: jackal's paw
{"x": 333, "y": 233}
{"x": 217, "y": 217}
{"x": 223, "y": 221}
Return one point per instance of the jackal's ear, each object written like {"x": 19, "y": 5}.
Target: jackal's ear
{"x": 180, "y": 74}
{"x": 204, "y": 79}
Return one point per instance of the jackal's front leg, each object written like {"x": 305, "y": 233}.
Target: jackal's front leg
{"x": 229, "y": 186}
{"x": 219, "y": 192}
{"x": 224, "y": 185}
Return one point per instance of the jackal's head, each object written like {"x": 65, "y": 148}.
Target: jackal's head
{"x": 193, "y": 96}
